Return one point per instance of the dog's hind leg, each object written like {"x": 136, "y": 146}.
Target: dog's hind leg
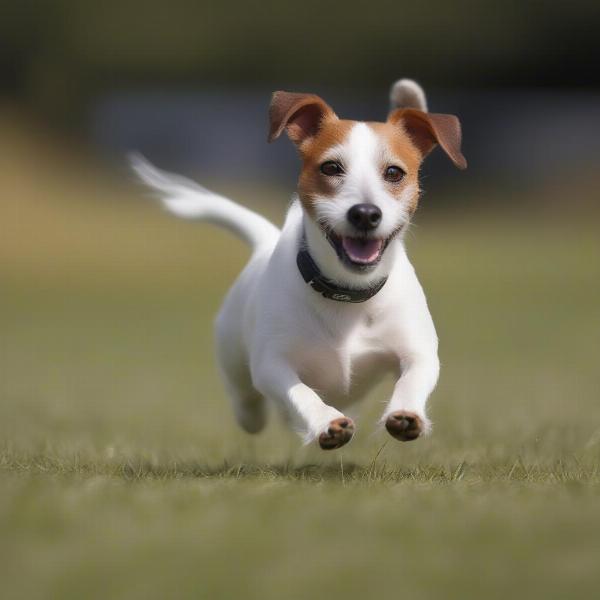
{"x": 248, "y": 405}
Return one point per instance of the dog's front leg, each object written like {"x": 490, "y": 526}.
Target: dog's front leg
{"x": 276, "y": 379}
{"x": 405, "y": 417}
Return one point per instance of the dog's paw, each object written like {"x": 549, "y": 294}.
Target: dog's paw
{"x": 405, "y": 426}
{"x": 338, "y": 432}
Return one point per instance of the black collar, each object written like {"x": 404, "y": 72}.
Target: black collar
{"x": 326, "y": 287}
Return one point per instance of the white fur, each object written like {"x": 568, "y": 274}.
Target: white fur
{"x": 407, "y": 93}
{"x": 363, "y": 155}
{"x": 278, "y": 339}
{"x": 189, "y": 200}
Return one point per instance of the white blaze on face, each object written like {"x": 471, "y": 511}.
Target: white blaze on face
{"x": 364, "y": 156}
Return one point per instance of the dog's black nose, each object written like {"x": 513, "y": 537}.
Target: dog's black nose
{"x": 364, "y": 216}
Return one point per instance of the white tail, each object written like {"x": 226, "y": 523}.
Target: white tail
{"x": 406, "y": 93}
{"x": 189, "y": 200}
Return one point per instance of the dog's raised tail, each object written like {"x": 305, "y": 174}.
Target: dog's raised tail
{"x": 189, "y": 200}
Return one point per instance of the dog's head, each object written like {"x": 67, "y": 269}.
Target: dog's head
{"x": 359, "y": 181}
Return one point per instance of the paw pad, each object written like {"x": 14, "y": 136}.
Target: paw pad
{"x": 404, "y": 426}
{"x": 339, "y": 432}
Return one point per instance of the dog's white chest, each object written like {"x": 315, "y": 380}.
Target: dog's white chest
{"x": 343, "y": 367}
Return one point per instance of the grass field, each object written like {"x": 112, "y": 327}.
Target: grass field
{"x": 122, "y": 474}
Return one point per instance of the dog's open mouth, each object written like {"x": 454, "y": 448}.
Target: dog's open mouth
{"x": 363, "y": 251}
{"x": 360, "y": 253}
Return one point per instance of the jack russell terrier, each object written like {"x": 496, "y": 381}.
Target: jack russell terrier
{"x": 330, "y": 303}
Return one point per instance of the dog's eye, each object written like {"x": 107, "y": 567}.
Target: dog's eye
{"x": 331, "y": 168}
{"x": 394, "y": 174}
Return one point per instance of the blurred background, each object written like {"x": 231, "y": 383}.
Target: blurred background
{"x": 188, "y": 82}
{"x": 110, "y": 403}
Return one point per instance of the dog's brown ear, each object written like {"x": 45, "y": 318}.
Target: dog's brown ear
{"x": 300, "y": 115}
{"x": 430, "y": 129}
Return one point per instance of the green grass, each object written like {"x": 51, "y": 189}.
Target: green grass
{"x": 122, "y": 474}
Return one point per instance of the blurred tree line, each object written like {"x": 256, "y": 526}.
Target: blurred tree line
{"x": 55, "y": 55}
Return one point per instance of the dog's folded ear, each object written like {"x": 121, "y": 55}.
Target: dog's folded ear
{"x": 300, "y": 115}
{"x": 427, "y": 130}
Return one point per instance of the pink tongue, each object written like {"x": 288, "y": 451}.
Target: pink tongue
{"x": 361, "y": 250}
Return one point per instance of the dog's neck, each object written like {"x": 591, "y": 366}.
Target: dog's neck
{"x": 326, "y": 287}
{"x": 321, "y": 268}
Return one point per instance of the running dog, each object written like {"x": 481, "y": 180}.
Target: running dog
{"x": 330, "y": 303}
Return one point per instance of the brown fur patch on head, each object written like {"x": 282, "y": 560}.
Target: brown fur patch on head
{"x": 401, "y": 148}
{"x": 408, "y": 136}
{"x": 312, "y": 183}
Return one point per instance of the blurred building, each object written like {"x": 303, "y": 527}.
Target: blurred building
{"x": 188, "y": 83}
